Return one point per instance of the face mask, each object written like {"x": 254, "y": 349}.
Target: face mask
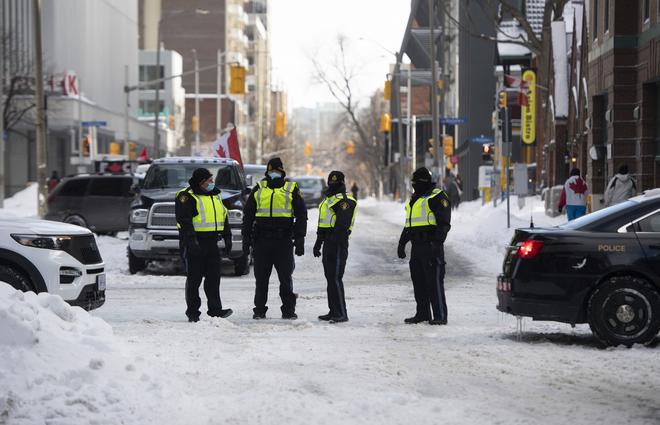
{"x": 210, "y": 187}
{"x": 274, "y": 175}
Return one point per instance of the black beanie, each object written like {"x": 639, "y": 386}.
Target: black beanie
{"x": 335, "y": 177}
{"x": 623, "y": 169}
{"x": 198, "y": 176}
{"x": 575, "y": 172}
{"x": 422, "y": 175}
{"x": 275, "y": 164}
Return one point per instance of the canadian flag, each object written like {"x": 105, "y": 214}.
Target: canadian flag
{"x": 226, "y": 146}
{"x": 144, "y": 155}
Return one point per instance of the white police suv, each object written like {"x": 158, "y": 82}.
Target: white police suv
{"x": 58, "y": 258}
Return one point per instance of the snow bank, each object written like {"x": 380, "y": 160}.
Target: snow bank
{"x": 62, "y": 365}
{"x": 22, "y": 204}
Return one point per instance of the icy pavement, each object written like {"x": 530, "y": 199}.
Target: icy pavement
{"x": 375, "y": 369}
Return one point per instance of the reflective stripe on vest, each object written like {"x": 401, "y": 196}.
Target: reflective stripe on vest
{"x": 276, "y": 202}
{"x": 211, "y": 212}
{"x": 420, "y": 214}
{"x": 327, "y": 216}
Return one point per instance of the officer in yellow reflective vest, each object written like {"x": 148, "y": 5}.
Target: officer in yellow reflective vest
{"x": 274, "y": 221}
{"x": 202, "y": 219}
{"x": 428, "y": 218}
{"x": 336, "y": 218}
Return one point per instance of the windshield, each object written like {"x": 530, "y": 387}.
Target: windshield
{"x": 588, "y": 219}
{"x": 309, "y": 184}
{"x": 176, "y": 176}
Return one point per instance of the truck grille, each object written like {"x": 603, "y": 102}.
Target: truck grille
{"x": 84, "y": 249}
{"x": 162, "y": 216}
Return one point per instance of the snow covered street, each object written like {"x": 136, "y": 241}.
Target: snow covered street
{"x": 374, "y": 369}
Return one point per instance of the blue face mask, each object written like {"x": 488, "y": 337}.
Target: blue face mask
{"x": 274, "y": 175}
{"x": 210, "y": 187}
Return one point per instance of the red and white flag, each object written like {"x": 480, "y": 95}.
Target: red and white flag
{"x": 226, "y": 146}
{"x": 144, "y": 155}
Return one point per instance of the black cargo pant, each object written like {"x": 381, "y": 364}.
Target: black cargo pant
{"x": 427, "y": 270}
{"x": 335, "y": 254}
{"x": 278, "y": 253}
{"x": 205, "y": 266}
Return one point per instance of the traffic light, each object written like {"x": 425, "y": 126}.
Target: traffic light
{"x": 172, "y": 122}
{"x": 487, "y": 152}
{"x": 86, "y": 145}
{"x": 237, "y": 84}
{"x": 308, "y": 149}
{"x": 429, "y": 148}
{"x": 385, "y": 123}
{"x": 115, "y": 148}
{"x": 448, "y": 145}
{"x": 350, "y": 147}
{"x": 503, "y": 99}
{"x": 387, "y": 92}
{"x": 132, "y": 154}
{"x": 280, "y": 124}
{"x": 195, "y": 124}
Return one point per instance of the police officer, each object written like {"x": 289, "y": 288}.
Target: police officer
{"x": 428, "y": 216}
{"x": 274, "y": 222}
{"x": 336, "y": 217}
{"x": 202, "y": 219}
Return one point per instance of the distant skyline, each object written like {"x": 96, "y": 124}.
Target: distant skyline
{"x": 304, "y": 28}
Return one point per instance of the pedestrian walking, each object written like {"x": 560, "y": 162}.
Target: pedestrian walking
{"x": 428, "y": 220}
{"x": 274, "y": 223}
{"x": 202, "y": 219}
{"x": 452, "y": 189}
{"x": 574, "y": 196}
{"x": 621, "y": 187}
{"x": 355, "y": 190}
{"x": 53, "y": 181}
{"x": 336, "y": 218}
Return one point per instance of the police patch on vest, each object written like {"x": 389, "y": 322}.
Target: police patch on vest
{"x": 183, "y": 197}
{"x": 344, "y": 205}
{"x": 444, "y": 203}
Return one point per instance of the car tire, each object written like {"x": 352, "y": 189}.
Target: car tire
{"x": 242, "y": 265}
{"x": 624, "y": 310}
{"x": 135, "y": 264}
{"x": 15, "y": 278}
{"x": 76, "y": 220}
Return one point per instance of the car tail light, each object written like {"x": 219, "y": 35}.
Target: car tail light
{"x": 529, "y": 249}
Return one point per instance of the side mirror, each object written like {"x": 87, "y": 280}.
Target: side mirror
{"x": 135, "y": 189}
{"x": 247, "y": 191}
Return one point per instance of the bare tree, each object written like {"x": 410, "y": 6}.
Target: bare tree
{"x": 339, "y": 78}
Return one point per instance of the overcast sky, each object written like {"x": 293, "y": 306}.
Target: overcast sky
{"x": 303, "y": 28}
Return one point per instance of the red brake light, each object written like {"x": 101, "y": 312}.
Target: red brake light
{"x": 529, "y": 249}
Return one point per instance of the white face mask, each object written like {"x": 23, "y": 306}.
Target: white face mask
{"x": 274, "y": 175}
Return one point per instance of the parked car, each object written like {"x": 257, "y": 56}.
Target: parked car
{"x": 100, "y": 202}
{"x": 153, "y": 235}
{"x": 312, "y": 189}
{"x": 253, "y": 173}
{"x": 602, "y": 269}
{"x": 58, "y": 258}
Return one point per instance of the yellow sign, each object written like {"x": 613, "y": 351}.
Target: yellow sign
{"x": 529, "y": 108}
{"x": 237, "y": 83}
{"x": 448, "y": 145}
{"x": 388, "y": 90}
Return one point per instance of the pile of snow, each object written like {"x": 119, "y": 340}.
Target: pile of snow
{"x": 22, "y": 204}
{"x": 62, "y": 365}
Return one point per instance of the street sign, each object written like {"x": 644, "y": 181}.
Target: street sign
{"x": 529, "y": 108}
{"x": 481, "y": 139}
{"x": 94, "y": 123}
{"x": 453, "y": 120}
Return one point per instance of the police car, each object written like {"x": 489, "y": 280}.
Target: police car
{"x": 602, "y": 269}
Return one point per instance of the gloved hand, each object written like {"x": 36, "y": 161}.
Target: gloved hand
{"x": 299, "y": 243}
{"x": 317, "y": 247}
{"x": 228, "y": 246}
{"x": 193, "y": 247}
{"x": 401, "y": 251}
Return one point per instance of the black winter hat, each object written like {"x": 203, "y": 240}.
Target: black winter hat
{"x": 275, "y": 164}
{"x": 623, "y": 169}
{"x": 198, "y": 176}
{"x": 335, "y": 177}
{"x": 575, "y": 172}
{"x": 422, "y": 175}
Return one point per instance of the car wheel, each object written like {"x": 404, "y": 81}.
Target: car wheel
{"x": 77, "y": 220}
{"x": 242, "y": 265}
{"x": 624, "y": 310}
{"x": 15, "y": 278}
{"x": 135, "y": 264}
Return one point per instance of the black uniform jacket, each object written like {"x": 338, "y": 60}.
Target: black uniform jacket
{"x": 343, "y": 217}
{"x": 435, "y": 234}
{"x": 295, "y": 227}
{"x": 185, "y": 209}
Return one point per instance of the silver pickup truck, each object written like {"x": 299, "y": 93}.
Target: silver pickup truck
{"x": 153, "y": 235}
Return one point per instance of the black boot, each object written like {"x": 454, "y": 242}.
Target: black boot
{"x": 193, "y": 319}
{"x": 289, "y": 316}
{"x": 325, "y": 317}
{"x": 338, "y": 319}
{"x": 226, "y": 313}
{"x": 415, "y": 319}
{"x": 437, "y": 322}
{"x": 259, "y": 316}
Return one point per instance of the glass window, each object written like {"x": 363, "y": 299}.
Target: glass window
{"x": 107, "y": 187}
{"x": 588, "y": 219}
{"x": 76, "y": 187}
{"x": 148, "y": 73}
{"x": 149, "y": 106}
{"x": 606, "y": 10}
{"x": 650, "y": 224}
{"x": 311, "y": 184}
{"x": 595, "y": 19}
{"x": 176, "y": 176}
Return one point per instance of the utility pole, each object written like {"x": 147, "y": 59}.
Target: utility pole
{"x": 399, "y": 127}
{"x": 127, "y": 105}
{"x": 434, "y": 93}
{"x": 218, "y": 109}
{"x": 156, "y": 153}
{"x": 39, "y": 100}
{"x": 199, "y": 123}
{"x": 408, "y": 116}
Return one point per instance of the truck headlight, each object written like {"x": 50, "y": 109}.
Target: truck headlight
{"x": 43, "y": 241}
{"x": 139, "y": 215}
{"x": 235, "y": 217}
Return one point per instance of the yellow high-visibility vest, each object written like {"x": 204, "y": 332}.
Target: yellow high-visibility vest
{"x": 211, "y": 212}
{"x": 276, "y": 202}
{"x": 420, "y": 214}
{"x": 327, "y": 217}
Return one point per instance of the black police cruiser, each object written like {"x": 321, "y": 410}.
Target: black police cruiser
{"x": 602, "y": 269}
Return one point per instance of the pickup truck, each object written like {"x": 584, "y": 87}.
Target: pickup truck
{"x": 153, "y": 235}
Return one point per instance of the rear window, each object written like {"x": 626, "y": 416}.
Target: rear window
{"x": 117, "y": 187}
{"x": 76, "y": 187}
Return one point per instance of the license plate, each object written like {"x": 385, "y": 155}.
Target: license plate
{"x": 100, "y": 281}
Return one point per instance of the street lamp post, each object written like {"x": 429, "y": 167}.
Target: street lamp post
{"x": 157, "y": 97}
{"x": 197, "y": 138}
{"x": 40, "y": 111}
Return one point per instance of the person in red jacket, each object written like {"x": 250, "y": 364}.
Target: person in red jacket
{"x": 574, "y": 196}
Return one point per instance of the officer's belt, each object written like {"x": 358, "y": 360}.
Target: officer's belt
{"x": 273, "y": 233}
{"x": 426, "y": 235}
